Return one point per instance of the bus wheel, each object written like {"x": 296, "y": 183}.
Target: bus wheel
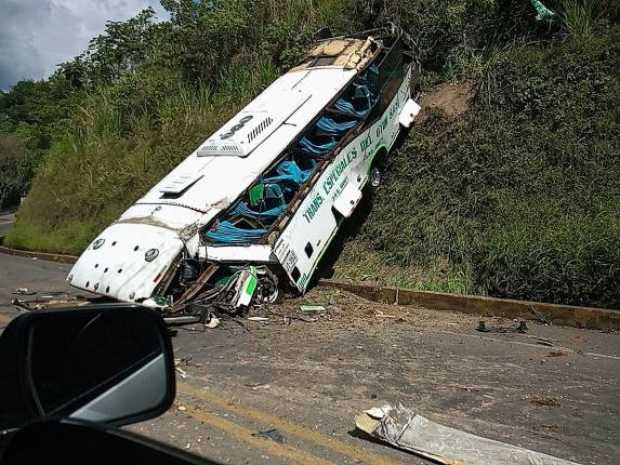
{"x": 376, "y": 177}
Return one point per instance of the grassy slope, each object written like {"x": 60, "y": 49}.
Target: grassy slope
{"x": 520, "y": 197}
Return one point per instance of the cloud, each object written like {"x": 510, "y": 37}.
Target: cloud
{"x": 36, "y": 35}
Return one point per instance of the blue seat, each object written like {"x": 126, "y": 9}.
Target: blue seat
{"x": 227, "y": 233}
{"x": 243, "y": 209}
{"x": 292, "y": 169}
{"x": 361, "y": 99}
{"x": 310, "y": 148}
{"x": 328, "y": 126}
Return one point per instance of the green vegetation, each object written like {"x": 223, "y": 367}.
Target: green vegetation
{"x": 523, "y": 191}
{"x": 518, "y": 197}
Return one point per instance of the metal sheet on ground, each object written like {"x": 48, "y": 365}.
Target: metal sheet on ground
{"x": 401, "y": 427}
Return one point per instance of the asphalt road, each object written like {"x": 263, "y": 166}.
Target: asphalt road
{"x": 554, "y": 390}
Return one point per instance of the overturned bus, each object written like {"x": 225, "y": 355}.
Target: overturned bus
{"x": 260, "y": 200}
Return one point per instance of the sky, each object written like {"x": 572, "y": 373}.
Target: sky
{"x": 36, "y": 35}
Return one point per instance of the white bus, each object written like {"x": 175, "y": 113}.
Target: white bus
{"x": 259, "y": 202}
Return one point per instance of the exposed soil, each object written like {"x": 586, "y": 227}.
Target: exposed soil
{"x": 452, "y": 99}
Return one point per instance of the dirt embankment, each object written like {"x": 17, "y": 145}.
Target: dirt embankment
{"x": 451, "y": 98}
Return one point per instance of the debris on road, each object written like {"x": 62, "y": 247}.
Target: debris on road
{"x": 520, "y": 328}
{"x": 544, "y": 342}
{"x": 272, "y": 434}
{"x": 204, "y": 316}
{"x": 289, "y": 319}
{"x": 49, "y": 302}
{"x": 213, "y": 322}
{"x": 311, "y": 308}
{"x": 257, "y": 318}
{"x": 181, "y": 320}
{"x": 380, "y": 314}
{"x": 403, "y": 428}
{"x": 557, "y": 353}
{"x": 23, "y": 291}
{"x": 543, "y": 401}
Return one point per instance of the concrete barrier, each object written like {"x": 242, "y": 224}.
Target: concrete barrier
{"x": 566, "y": 315}
{"x": 50, "y": 257}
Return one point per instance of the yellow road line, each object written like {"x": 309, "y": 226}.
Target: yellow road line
{"x": 287, "y": 426}
{"x": 239, "y": 432}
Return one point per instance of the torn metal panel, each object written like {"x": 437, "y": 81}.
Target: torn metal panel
{"x": 405, "y": 429}
{"x": 347, "y": 53}
{"x": 246, "y": 286}
{"x": 45, "y": 301}
{"x": 174, "y": 217}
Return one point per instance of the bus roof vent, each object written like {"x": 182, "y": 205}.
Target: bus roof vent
{"x": 264, "y": 124}
{"x": 251, "y": 127}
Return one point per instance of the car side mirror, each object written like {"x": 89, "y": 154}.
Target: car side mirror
{"x": 109, "y": 365}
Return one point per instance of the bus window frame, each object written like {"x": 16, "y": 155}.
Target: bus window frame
{"x": 398, "y": 47}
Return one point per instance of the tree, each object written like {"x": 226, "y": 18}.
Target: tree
{"x": 14, "y": 170}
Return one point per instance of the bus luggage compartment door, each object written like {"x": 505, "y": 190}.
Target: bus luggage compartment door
{"x": 347, "y": 201}
{"x": 304, "y": 240}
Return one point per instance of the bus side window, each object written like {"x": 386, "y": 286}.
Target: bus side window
{"x": 391, "y": 73}
{"x": 392, "y": 70}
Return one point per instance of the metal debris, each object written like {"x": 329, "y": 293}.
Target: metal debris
{"x": 272, "y": 434}
{"x": 519, "y": 328}
{"x": 311, "y": 308}
{"x": 213, "y": 322}
{"x": 23, "y": 291}
{"x": 403, "y": 428}
{"x": 182, "y": 320}
{"x": 45, "y": 302}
